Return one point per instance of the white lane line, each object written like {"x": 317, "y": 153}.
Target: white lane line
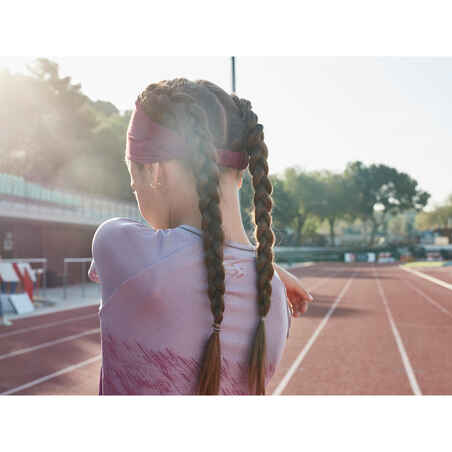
{"x": 283, "y": 383}
{"x": 46, "y": 325}
{"x": 428, "y": 277}
{"x": 49, "y": 344}
{"x": 50, "y": 376}
{"x": 433, "y": 302}
{"x": 53, "y": 310}
{"x": 406, "y": 362}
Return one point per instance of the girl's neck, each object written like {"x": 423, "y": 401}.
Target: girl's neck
{"x": 231, "y": 217}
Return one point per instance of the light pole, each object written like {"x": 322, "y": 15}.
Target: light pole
{"x": 233, "y": 74}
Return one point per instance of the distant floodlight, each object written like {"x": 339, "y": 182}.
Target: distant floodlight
{"x": 233, "y": 74}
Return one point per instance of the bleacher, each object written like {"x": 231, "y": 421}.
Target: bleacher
{"x": 18, "y": 187}
{"x": 18, "y": 196}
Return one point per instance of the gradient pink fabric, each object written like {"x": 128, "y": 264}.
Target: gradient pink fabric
{"x": 155, "y": 315}
{"x": 149, "y": 142}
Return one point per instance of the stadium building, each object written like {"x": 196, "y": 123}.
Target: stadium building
{"x": 40, "y": 222}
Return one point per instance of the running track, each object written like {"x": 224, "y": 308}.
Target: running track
{"x": 373, "y": 329}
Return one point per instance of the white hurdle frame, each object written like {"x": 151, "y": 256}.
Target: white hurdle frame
{"x": 32, "y": 260}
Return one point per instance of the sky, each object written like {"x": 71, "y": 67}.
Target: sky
{"x": 317, "y": 112}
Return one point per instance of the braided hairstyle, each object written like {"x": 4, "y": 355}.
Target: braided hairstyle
{"x": 245, "y": 134}
{"x": 185, "y": 107}
{"x": 264, "y": 236}
{"x": 208, "y": 118}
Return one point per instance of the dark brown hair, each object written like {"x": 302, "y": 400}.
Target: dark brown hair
{"x": 245, "y": 134}
{"x": 208, "y": 118}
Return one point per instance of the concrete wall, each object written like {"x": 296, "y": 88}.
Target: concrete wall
{"x": 53, "y": 241}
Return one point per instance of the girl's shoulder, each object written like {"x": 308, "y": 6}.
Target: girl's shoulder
{"x": 122, "y": 248}
{"x": 125, "y": 233}
{"x": 126, "y": 240}
{"x": 118, "y": 225}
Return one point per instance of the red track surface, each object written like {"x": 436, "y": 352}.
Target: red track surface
{"x": 443, "y": 273}
{"x": 371, "y": 330}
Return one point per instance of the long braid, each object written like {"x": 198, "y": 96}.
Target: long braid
{"x": 264, "y": 236}
{"x": 213, "y": 240}
{"x": 169, "y": 104}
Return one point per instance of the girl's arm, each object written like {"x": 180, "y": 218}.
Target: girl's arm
{"x": 297, "y": 295}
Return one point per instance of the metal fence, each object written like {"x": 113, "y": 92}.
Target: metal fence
{"x": 291, "y": 255}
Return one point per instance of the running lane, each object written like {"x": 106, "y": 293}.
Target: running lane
{"x": 437, "y": 294}
{"x": 79, "y": 379}
{"x": 308, "y": 330}
{"x": 38, "y": 360}
{"x": 424, "y": 321}
{"x": 14, "y": 341}
{"x": 39, "y": 320}
{"x": 324, "y": 282}
{"x": 442, "y": 273}
{"x": 356, "y": 351}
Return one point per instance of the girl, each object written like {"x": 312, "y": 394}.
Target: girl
{"x": 190, "y": 306}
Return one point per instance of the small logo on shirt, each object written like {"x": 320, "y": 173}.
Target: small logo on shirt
{"x": 234, "y": 270}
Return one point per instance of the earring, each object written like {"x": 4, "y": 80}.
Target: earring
{"x": 156, "y": 186}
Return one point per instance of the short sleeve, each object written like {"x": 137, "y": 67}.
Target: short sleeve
{"x": 121, "y": 248}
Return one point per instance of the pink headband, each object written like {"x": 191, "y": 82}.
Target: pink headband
{"x": 149, "y": 142}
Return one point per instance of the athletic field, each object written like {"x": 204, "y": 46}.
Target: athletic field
{"x": 373, "y": 329}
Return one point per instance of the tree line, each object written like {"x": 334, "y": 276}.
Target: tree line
{"x": 370, "y": 193}
{"x": 439, "y": 217}
{"x": 55, "y": 135}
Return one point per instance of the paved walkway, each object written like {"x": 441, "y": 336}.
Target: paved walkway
{"x": 53, "y": 299}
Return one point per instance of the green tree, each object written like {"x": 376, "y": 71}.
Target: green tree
{"x": 379, "y": 190}
{"x": 304, "y": 190}
{"x": 106, "y": 108}
{"x": 333, "y": 199}
{"x": 49, "y": 123}
{"x": 439, "y": 217}
{"x": 55, "y": 135}
{"x": 67, "y": 102}
{"x": 106, "y": 172}
{"x": 284, "y": 210}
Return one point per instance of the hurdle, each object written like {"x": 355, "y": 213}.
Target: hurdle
{"x": 41, "y": 272}
{"x": 21, "y": 303}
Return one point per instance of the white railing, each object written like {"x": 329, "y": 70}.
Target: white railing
{"x": 77, "y": 215}
{"x": 26, "y": 200}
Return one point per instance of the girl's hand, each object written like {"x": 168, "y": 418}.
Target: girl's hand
{"x": 297, "y": 296}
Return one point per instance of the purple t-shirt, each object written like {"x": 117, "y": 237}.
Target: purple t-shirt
{"x": 155, "y": 314}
